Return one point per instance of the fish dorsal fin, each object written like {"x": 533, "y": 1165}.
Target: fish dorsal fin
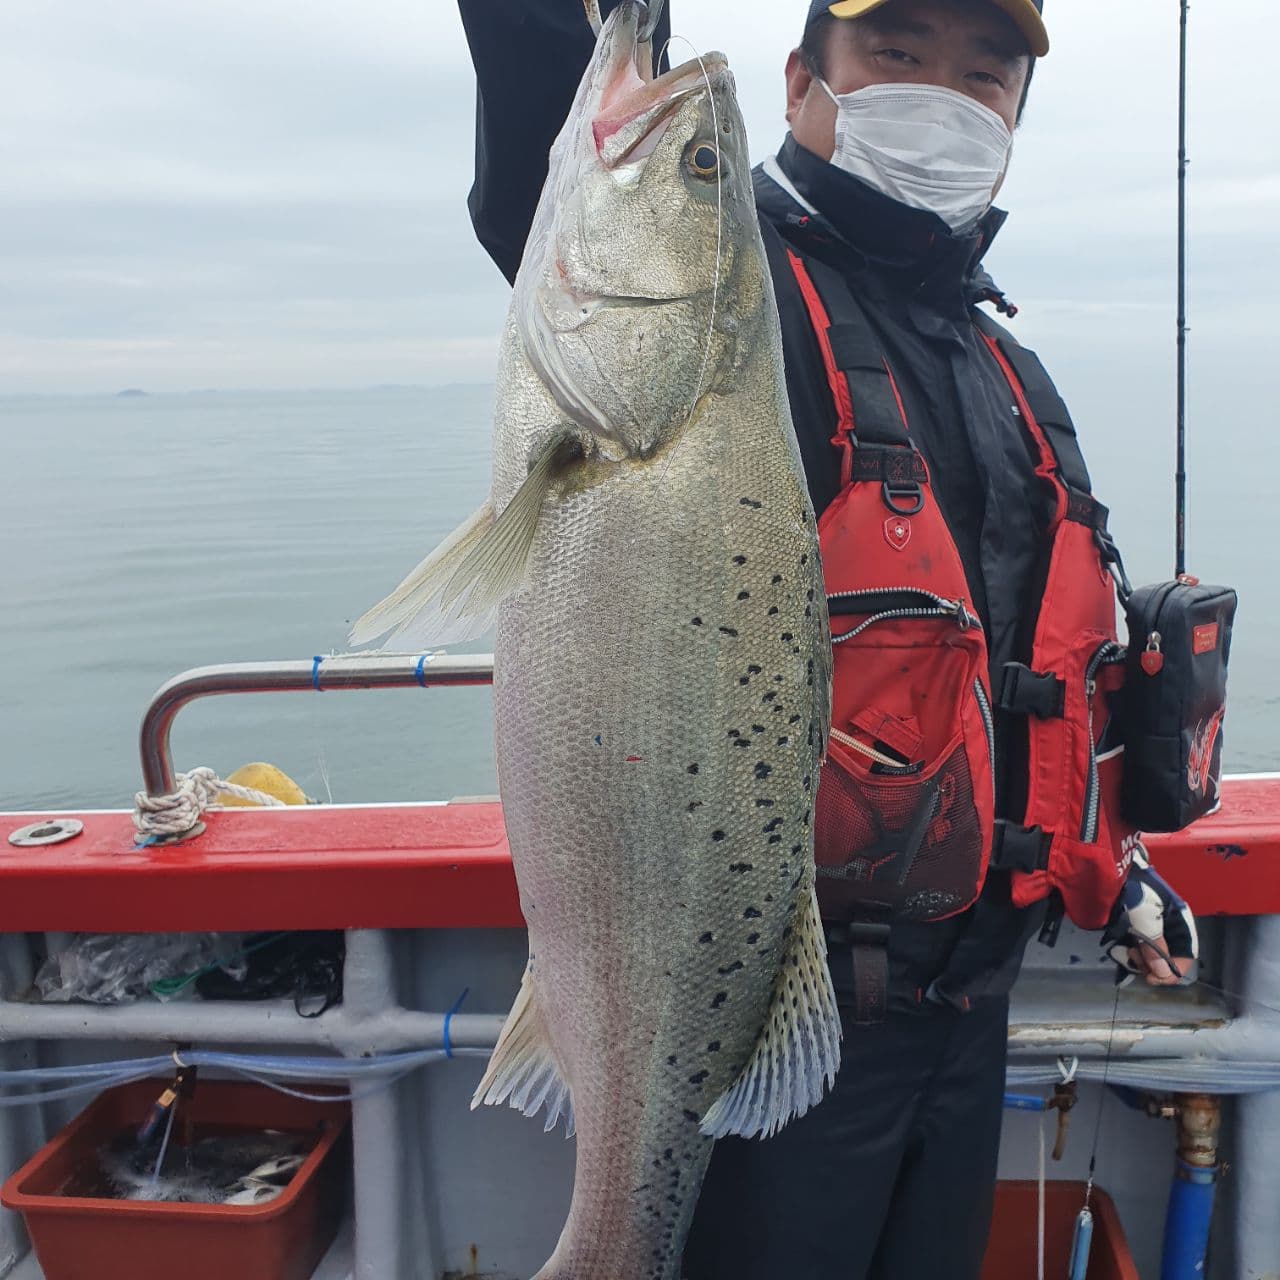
{"x": 454, "y": 594}
{"x": 799, "y": 1047}
{"x": 522, "y": 1071}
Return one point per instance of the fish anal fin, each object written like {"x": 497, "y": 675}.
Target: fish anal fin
{"x": 798, "y": 1052}
{"x": 522, "y": 1071}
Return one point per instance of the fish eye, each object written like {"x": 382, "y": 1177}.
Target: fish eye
{"x": 704, "y": 161}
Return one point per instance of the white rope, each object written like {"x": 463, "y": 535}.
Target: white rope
{"x": 155, "y": 817}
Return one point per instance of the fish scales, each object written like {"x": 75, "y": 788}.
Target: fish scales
{"x": 662, "y": 664}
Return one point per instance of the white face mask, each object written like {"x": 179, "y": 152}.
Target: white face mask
{"x": 926, "y": 146}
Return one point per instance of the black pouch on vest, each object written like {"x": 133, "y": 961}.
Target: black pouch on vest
{"x": 1174, "y": 699}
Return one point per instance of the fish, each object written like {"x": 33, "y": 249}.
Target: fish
{"x": 662, "y": 663}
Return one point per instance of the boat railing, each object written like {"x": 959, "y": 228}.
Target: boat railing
{"x": 316, "y": 675}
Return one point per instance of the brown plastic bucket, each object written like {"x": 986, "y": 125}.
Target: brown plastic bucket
{"x": 101, "y": 1239}
{"x": 1012, "y": 1248}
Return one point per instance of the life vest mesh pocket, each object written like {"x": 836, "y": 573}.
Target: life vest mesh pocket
{"x": 909, "y": 841}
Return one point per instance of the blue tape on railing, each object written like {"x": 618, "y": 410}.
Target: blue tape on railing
{"x": 315, "y": 673}
{"x": 422, "y": 679}
{"x": 1025, "y": 1102}
{"x": 448, "y": 1018}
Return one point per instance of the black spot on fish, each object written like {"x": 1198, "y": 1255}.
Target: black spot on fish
{"x": 777, "y": 578}
{"x": 787, "y": 637}
{"x": 697, "y": 622}
{"x": 743, "y": 742}
{"x": 773, "y": 609}
{"x": 771, "y": 826}
{"x": 804, "y": 559}
{"x": 782, "y": 742}
{"x": 750, "y": 502}
{"x": 667, "y": 1154}
{"x": 692, "y": 1116}
{"x": 769, "y": 695}
{"x": 751, "y": 914}
{"x": 728, "y": 631}
{"x": 720, "y": 998}
{"x": 795, "y": 849}
{"x": 693, "y": 806}
{"x": 757, "y": 728}
{"x": 698, "y": 1077}
{"x": 744, "y": 595}
{"x": 739, "y": 559}
{"x": 714, "y": 1047}
{"x": 735, "y": 733}
{"x": 752, "y": 939}
{"x": 808, "y": 611}
{"x": 795, "y": 719}
{"x": 762, "y": 770}
{"x": 775, "y": 839}
{"x": 717, "y": 836}
{"x": 671, "y": 1061}
{"x": 706, "y": 938}
{"x": 744, "y": 679}
{"x": 739, "y": 867}
{"x": 752, "y": 669}
{"x": 731, "y": 968}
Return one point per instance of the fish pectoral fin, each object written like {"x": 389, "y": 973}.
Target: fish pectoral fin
{"x": 413, "y": 611}
{"x": 522, "y": 1071}
{"x": 454, "y": 594}
{"x": 798, "y": 1051}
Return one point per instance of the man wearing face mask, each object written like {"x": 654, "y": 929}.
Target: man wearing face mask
{"x": 944, "y": 468}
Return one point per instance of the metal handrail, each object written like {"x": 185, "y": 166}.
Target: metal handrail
{"x": 320, "y": 675}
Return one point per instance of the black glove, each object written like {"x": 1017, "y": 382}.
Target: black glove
{"x": 1152, "y": 932}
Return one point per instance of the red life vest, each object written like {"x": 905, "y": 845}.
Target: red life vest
{"x": 905, "y": 821}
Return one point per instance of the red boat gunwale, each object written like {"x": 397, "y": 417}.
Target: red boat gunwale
{"x": 440, "y": 866}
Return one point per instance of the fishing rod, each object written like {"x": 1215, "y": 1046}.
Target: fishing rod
{"x": 1082, "y": 1234}
{"x": 1180, "y": 472}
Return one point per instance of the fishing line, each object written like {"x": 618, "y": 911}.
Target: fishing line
{"x": 715, "y": 281}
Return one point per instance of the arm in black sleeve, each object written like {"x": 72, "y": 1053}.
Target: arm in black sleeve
{"x": 529, "y": 56}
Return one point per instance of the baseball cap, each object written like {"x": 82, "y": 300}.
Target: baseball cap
{"x": 1025, "y": 13}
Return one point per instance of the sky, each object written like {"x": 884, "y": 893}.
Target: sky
{"x": 271, "y": 193}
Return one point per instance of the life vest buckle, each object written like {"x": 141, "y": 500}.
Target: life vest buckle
{"x": 1031, "y": 693}
{"x": 1018, "y": 848}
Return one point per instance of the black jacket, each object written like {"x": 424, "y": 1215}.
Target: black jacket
{"x": 918, "y": 282}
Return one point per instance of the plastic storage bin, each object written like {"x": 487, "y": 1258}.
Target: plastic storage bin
{"x": 103, "y": 1239}
{"x": 1011, "y": 1251}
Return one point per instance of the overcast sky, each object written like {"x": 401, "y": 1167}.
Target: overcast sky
{"x": 270, "y": 193}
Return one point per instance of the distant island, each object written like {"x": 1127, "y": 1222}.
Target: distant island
{"x": 130, "y": 391}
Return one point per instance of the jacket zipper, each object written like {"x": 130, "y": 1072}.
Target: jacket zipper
{"x": 939, "y": 607}
{"x": 988, "y": 722}
{"x": 1108, "y": 653}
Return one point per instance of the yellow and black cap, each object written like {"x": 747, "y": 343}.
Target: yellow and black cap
{"x": 1026, "y": 14}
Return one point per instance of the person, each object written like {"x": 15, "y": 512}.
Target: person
{"x": 935, "y": 450}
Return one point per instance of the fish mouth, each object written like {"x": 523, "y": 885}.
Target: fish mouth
{"x": 634, "y": 107}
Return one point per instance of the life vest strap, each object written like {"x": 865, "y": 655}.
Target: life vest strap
{"x": 1047, "y": 406}
{"x": 869, "y": 409}
{"x": 1018, "y": 848}
{"x": 867, "y": 937}
{"x": 1030, "y": 693}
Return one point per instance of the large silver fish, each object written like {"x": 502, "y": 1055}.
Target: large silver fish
{"x": 662, "y": 663}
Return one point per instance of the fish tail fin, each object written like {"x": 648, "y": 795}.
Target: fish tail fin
{"x": 454, "y": 594}
{"x": 798, "y": 1051}
{"x": 522, "y": 1071}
